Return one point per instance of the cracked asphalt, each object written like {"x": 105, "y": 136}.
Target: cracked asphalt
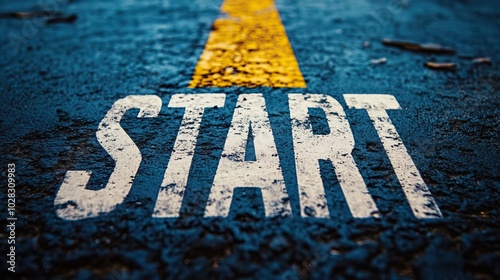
{"x": 59, "y": 79}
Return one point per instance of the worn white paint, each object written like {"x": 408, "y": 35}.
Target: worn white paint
{"x": 176, "y": 175}
{"x": 73, "y": 200}
{"x": 233, "y": 171}
{"x": 336, "y": 147}
{"x": 419, "y": 197}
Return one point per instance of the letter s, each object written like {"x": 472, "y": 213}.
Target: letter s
{"x": 73, "y": 201}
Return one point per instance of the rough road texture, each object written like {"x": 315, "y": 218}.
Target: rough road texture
{"x": 58, "y": 84}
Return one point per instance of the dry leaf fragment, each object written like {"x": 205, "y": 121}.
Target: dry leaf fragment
{"x": 430, "y": 48}
{"x": 62, "y": 19}
{"x": 441, "y": 65}
{"x": 482, "y": 60}
{"x": 378, "y": 61}
{"x": 25, "y": 15}
{"x": 50, "y": 16}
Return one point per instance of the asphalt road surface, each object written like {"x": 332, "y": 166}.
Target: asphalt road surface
{"x": 260, "y": 140}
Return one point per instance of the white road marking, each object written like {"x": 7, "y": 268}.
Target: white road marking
{"x": 75, "y": 202}
{"x": 176, "y": 175}
{"x": 336, "y": 146}
{"x": 233, "y": 171}
{"x": 419, "y": 197}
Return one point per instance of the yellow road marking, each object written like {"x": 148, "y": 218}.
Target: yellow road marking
{"x": 248, "y": 47}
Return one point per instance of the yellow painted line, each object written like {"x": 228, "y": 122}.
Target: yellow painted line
{"x": 248, "y": 47}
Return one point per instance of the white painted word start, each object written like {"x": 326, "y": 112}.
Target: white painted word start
{"x": 74, "y": 201}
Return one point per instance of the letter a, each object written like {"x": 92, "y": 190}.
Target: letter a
{"x": 233, "y": 171}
